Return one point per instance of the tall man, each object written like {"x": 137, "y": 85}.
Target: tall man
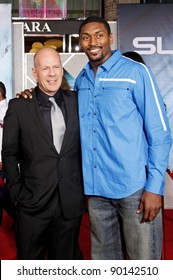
{"x": 125, "y": 140}
{"x": 44, "y": 183}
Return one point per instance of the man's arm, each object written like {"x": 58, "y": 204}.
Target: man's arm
{"x": 11, "y": 151}
{"x": 156, "y": 129}
{"x": 158, "y": 136}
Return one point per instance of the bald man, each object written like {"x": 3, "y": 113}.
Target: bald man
{"x": 44, "y": 184}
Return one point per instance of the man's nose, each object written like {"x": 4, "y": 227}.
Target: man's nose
{"x": 93, "y": 40}
{"x": 51, "y": 71}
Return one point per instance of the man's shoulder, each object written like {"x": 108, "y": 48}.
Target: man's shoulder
{"x": 20, "y": 102}
{"x": 16, "y": 100}
{"x": 81, "y": 73}
{"x": 70, "y": 97}
{"x": 79, "y": 78}
{"x": 70, "y": 93}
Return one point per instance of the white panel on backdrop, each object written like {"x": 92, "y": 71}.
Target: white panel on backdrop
{"x": 6, "y": 48}
{"x": 18, "y": 57}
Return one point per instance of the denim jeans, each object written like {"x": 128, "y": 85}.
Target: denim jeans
{"x": 115, "y": 220}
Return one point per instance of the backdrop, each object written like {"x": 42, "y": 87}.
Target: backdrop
{"x": 147, "y": 29}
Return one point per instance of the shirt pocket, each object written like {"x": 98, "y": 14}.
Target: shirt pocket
{"x": 116, "y": 100}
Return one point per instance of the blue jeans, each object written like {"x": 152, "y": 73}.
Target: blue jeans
{"x": 115, "y": 220}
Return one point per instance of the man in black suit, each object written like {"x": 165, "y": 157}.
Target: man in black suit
{"x": 44, "y": 185}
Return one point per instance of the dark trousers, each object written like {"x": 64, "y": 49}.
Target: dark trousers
{"x": 46, "y": 237}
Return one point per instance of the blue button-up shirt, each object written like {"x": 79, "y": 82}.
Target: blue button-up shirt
{"x": 124, "y": 129}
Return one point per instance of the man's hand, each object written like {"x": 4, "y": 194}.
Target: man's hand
{"x": 27, "y": 93}
{"x": 150, "y": 204}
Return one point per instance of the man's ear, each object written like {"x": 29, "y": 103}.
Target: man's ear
{"x": 34, "y": 73}
{"x": 111, "y": 38}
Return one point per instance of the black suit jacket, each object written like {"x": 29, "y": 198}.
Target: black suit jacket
{"x": 36, "y": 174}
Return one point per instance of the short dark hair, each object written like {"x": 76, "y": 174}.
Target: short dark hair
{"x": 96, "y": 19}
{"x": 135, "y": 56}
{"x": 3, "y": 90}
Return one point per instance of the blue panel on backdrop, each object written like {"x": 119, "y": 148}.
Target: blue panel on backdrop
{"x": 147, "y": 29}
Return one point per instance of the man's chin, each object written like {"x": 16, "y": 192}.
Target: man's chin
{"x": 94, "y": 58}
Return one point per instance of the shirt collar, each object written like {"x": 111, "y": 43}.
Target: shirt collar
{"x": 107, "y": 65}
{"x": 43, "y": 98}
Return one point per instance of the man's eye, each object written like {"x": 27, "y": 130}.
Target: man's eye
{"x": 99, "y": 35}
{"x": 85, "y": 38}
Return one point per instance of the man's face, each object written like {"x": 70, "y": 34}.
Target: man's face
{"x": 96, "y": 42}
{"x": 48, "y": 71}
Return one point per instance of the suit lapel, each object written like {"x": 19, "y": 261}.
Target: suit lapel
{"x": 37, "y": 118}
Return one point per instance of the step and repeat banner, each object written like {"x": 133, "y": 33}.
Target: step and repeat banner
{"x": 147, "y": 30}
{"x": 6, "y": 48}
